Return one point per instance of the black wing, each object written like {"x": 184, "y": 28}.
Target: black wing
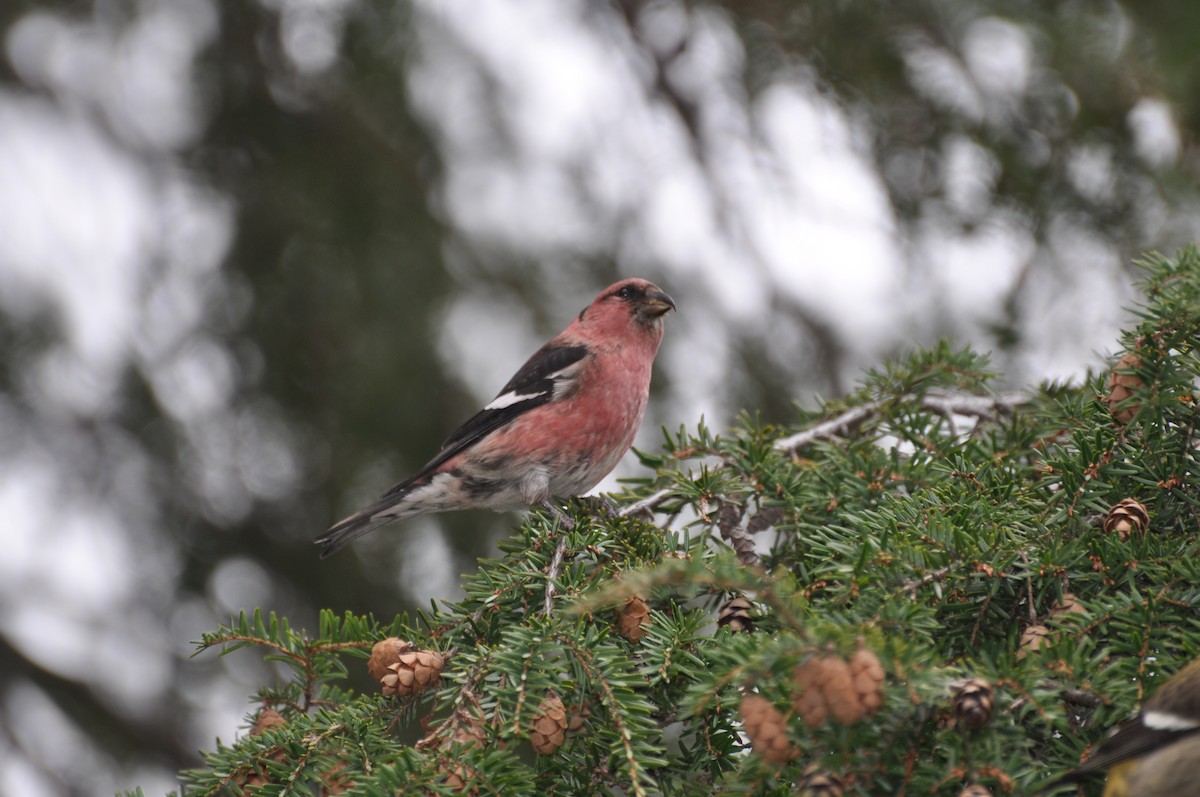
{"x": 544, "y": 377}
{"x": 1131, "y": 739}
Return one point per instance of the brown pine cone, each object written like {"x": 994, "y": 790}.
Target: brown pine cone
{"x": 1033, "y": 638}
{"x": 766, "y": 728}
{"x": 386, "y": 653}
{"x": 1064, "y": 607}
{"x": 415, "y": 670}
{"x": 825, "y": 686}
{"x": 868, "y": 677}
{"x": 336, "y": 780}
{"x": 470, "y": 733}
{"x": 1126, "y": 517}
{"x": 838, "y": 689}
{"x": 820, "y": 784}
{"x": 457, "y": 776}
{"x": 633, "y": 618}
{"x": 267, "y": 718}
{"x": 549, "y": 728}
{"x": 809, "y": 700}
{"x": 1123, "y": 383}
{"x": 735, "y": 613}
{"x": 975, "y": 790}
{"x": 577, "y": 717}
{"x": 974, "y": 702}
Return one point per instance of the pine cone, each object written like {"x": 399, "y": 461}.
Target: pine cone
{"x": 1034, "y": 638}
{"x": 470, "y": 733}
{"x": 826, "y": 686}
{"x": 386, "y": 653}
{"x": 632, "y": 619}
{"x": 767, "y": 729}
{"x": 974, "y": 702}
{"x": 549, "y": 728}
{"x": 267, "y": 718}
{"x": 820, "y": 784}
{"x": 975, "y": 790}
{"x": 336, "y": 780}
{"x": 415, "y": 670}
{"x": 809, "y": 700}
{"x": 735, "y": 613}
{"x": 839, "y": 691}
{"x": 1064, "y": 607}
{"x": 1126, "y": 517}
{"x": 868, "y": 677}
{"x": 1123, "y": 383}
{"x": 577, "y": 718}
{"x": 457, "y": 776}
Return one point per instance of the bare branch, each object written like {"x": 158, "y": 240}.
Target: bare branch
{"x": 827, "y": 429}
{"x": 949, "y": 404}
{"x": 945, "y": 404}
{"x": 1078, "y": 697}
{"x": 913, "y": 585}
{"x": 554, "y": 571}
{"x": 647, "y": 504}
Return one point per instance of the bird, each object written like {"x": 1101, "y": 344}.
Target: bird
{"x": 1169, "y": 772}
{"x": 1147, "y": 755}
{"x": 558, "y": 427}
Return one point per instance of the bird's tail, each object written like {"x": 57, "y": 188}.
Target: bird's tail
{"x": 347, "y": 531}
{"x": 392, "y": 506}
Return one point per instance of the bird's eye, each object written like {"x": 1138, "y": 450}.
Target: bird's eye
{"x": 628, "y": 292}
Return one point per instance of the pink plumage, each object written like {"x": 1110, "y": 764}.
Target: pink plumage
{"x": 555, "y": 430}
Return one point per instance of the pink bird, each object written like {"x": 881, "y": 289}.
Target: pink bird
{"x": 555, "y": 430}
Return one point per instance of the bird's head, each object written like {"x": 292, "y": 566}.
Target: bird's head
{"x": 630, "y": 300}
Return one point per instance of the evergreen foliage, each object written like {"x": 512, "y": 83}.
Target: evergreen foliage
{"x": 923, "y": 516}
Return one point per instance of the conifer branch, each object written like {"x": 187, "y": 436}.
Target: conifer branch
{"x": 595, "y": 675}
{"x": 920, "y": 562}
{"x": 947, "y": 405}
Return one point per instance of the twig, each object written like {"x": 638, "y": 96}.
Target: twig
{"x": 553, "y": 573}
{"x": 983, "y": 610}
{"x": 944, "y": 404}
{"x": 827, "y": 429}
{"x": 912, "y": 585}
{"x": 968, "y": 404}
{"x": 1029, "y": 587}
{"x": 1078, "y": 697}
{"x": 647, "y": 504}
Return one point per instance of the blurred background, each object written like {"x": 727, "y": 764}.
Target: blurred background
{"x": 258, "y": 258}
